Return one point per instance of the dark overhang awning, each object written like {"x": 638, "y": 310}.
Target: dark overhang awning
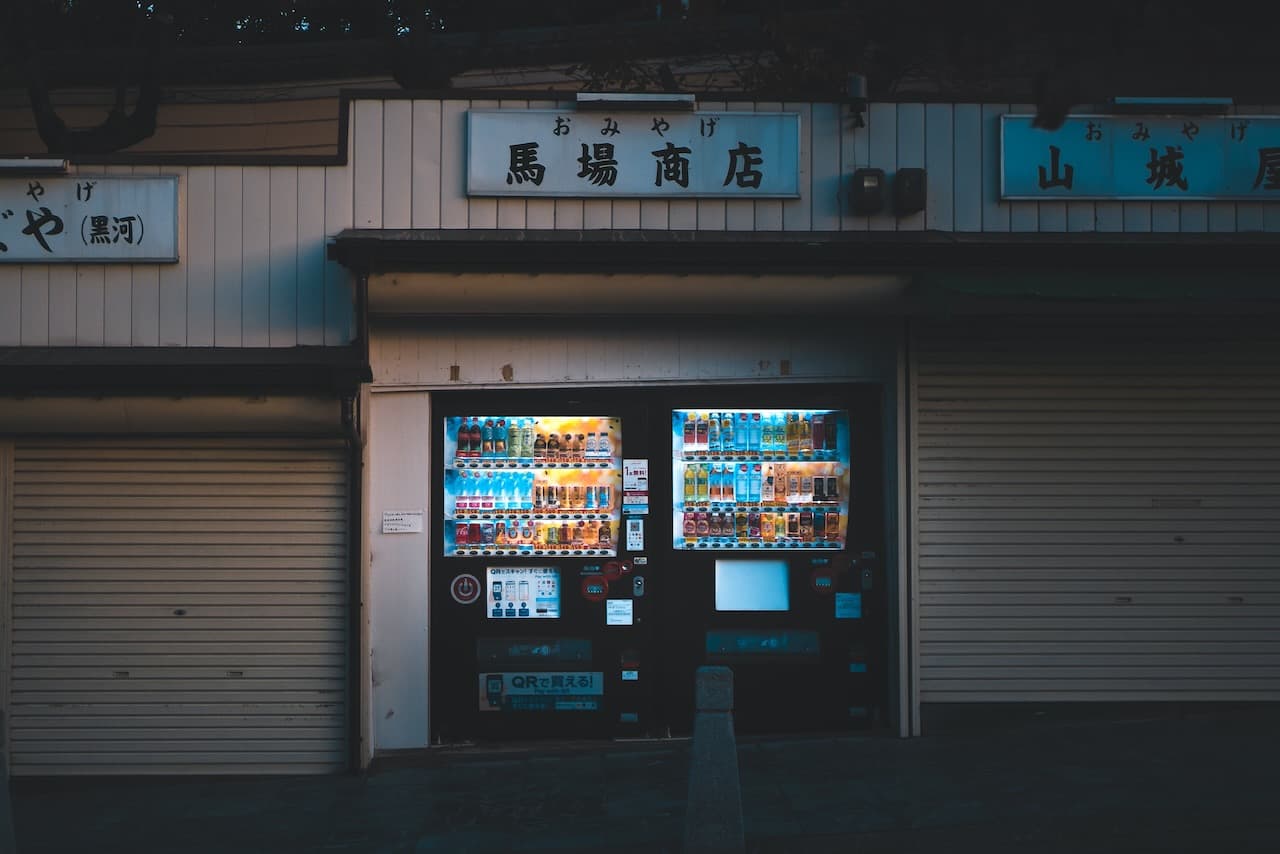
{"x": 499, "y": 250}
{"x": 151, "y": 370}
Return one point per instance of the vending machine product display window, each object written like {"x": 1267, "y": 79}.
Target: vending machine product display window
{"x": 535, "y": 485}
{"x": 760, "y": 479}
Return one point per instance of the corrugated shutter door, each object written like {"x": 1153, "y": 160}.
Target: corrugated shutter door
{"x": 1097, "y": 511}
{"x": 179, "y": 607}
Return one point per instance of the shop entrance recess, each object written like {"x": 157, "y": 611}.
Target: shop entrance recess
{"x": 592, "y": 548}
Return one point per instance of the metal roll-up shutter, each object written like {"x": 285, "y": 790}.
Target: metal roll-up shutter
{"x": 179, "y": 607}
{"x": 1097, "y": 510}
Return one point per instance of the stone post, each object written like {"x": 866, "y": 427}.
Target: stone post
{"x": 713, "y": 820}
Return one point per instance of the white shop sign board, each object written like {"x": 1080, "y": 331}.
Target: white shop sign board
{"x": 596, "y": 154}
{"x": 88, "y": 218}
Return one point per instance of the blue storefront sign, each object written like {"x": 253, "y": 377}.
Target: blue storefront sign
{"x": 1151, "y": 158}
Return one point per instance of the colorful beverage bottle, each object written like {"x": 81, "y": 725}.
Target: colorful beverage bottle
{"x": 690, "y": 432}
{"x": 463, "y": 439}
{"x": 526, "y": 439}
{"x": 500, "y": 438}
{"x": 819, "y": 432}
{"x": 713, "y": 433}
{"x": 726, "y": 433}
{"x": 755, "y": 438}
{"x": 513, "y": 440}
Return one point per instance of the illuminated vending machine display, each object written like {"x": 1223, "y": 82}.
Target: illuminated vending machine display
{"x": 535, "y": 485}
{"x": 765, "y": 479}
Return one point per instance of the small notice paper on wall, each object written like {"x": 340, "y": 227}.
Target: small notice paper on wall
{"x": 402, "y": 521}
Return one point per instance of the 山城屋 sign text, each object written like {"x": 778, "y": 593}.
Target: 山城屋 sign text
{"x": 88, "y": 218}
{"x": 1154, "y": 158}
{"x": 632, "y": 155}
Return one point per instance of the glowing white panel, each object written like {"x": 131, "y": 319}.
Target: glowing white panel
{"x": 752, "y": 585}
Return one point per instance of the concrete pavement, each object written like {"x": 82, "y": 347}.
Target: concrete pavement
{"x": 1199, "y": 782}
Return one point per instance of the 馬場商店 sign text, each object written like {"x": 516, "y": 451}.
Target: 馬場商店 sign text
{"x": 1150, "y": 158}
{"x": 88, "y": 218}
{"x": 551, "y": 153}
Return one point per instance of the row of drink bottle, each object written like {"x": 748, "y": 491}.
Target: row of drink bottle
{"x": 758, "y": 483}
{"x": 518, "y": 439}
{"x": 756, "y": 433}
{"x": 805, "y": 526}
{"x": 580, "y": 535}
{"x": 518, "y": 491}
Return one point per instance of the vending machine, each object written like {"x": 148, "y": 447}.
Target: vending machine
{"x": 775, "y": 563}
{"x": 540, "y": 617}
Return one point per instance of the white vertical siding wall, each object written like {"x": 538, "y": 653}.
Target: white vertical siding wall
{"x": 252, "y": 270}
{"x": 254, "y": 273}
{"x": 957, "y": 144}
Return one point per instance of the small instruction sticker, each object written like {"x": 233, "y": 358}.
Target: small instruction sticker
{"x": 618, "y": 612}
{"x": 635, "y": 535}
{"x": 635, "y": 487}
{"x": 402, "y": 521}
{"x": 848, "y": 606}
